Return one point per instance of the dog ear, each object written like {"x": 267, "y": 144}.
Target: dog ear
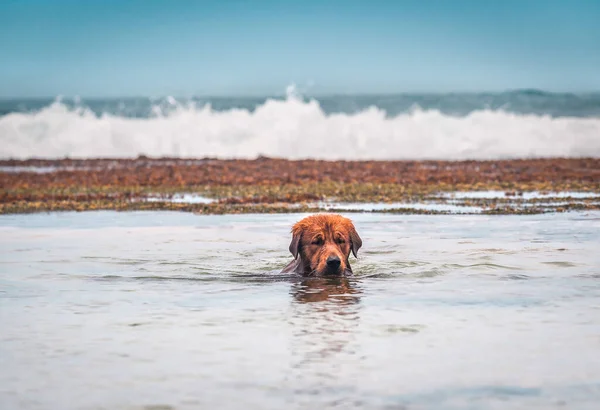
{"x": 295, "y": 244}
{"x": 355, "y": 241}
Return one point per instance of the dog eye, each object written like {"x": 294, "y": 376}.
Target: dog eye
{"x": 340, "y": 240}
{"x": 317, "y": 241}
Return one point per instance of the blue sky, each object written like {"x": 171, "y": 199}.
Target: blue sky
{"x": 235, "y": 47}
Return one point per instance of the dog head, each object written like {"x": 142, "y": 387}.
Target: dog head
{"x": 321, "y": 245}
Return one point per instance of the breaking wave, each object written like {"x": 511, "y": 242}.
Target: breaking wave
{"x": 295, "y": 128}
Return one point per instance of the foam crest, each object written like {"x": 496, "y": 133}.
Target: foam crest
{"x": 294, "y": 128}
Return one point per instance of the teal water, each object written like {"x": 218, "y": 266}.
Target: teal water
{"x": 535, "y": 102}
{"x": 148, "y": 310}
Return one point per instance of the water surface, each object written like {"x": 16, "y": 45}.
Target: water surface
{"x": 109, "y": 310}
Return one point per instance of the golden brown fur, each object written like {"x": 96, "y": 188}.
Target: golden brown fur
{"x": 321, "y": 245}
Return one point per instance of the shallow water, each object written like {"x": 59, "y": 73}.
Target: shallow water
{"x": 522, "y": 195}
{"x": 108, "y": 310}
{"x": 467, "y": 202}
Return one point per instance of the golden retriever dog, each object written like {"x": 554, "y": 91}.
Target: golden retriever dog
{"x": 321, "y": 245}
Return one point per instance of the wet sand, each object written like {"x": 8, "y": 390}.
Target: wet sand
{"x": 268, "y": 185}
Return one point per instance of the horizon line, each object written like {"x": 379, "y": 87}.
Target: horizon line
{"x": 304, "y": 94}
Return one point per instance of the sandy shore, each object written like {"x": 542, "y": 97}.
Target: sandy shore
{"x": 273, "y": 185}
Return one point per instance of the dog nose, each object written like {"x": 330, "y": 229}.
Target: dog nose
{"x": 333, "y": 262}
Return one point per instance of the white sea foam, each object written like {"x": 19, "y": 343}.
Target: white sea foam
{"x": 293, "y": 128}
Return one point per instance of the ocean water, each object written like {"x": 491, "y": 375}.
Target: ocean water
{"x": 515, "y": 124}
{"x": 159, "y": 310}
{"x": 463, "y": 202}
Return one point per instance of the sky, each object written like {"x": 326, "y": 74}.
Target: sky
{"x": 119, "y": 48}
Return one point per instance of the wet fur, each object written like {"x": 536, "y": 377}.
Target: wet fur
{"x": 317, "y": 237}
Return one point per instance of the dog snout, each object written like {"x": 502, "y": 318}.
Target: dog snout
{"x": 333, "y": 262}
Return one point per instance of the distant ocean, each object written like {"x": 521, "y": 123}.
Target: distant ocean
{"x": 515, "y": 124}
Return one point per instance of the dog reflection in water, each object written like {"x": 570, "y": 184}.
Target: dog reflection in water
{"x": 324, "y": 317}
{"x": 338, "y": 290}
